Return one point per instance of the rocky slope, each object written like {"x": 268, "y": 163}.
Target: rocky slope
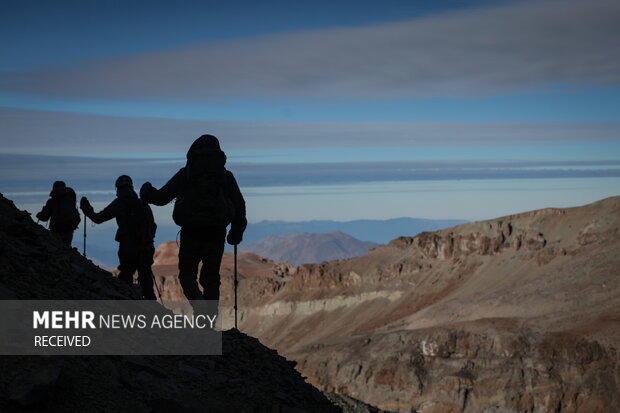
{"x": 515, "y": 314}
{"x": 303, "y": 248}
{"x": 248, "y": 377}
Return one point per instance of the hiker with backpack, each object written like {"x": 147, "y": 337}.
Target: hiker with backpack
{"x": 61, "y": 211}
{"x": 135, "y": 234}
{"x": 208, "y": 199}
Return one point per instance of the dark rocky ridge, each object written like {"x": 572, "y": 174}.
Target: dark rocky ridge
{"x": 248, "y": 377}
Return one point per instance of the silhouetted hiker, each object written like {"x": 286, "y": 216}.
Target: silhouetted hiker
{"x": 61, "y": 211}
{"x": 207, "y": 200}
{"x": 135, "y": 234}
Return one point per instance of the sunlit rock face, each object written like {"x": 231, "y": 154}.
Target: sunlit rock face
{"x": 513, "y": 314}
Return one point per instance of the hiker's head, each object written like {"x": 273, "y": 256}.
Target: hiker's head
{"x": 205, "y": 145}
{"x": 58, "y": 188}
{"x": 123, "y": 181}
{"x": 205, "y": 154}
{"x": 58, "y": 184}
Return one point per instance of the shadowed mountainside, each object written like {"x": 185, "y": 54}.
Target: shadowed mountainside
{"x": 248, "y": 377}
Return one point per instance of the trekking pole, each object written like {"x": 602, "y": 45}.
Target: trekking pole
{"x": 84, "y": 250}
{"x": 236, "y": 282}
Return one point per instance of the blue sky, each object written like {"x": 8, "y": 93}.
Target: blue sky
{"x": 327, "y": 110}
{"x": 47, "y": 33}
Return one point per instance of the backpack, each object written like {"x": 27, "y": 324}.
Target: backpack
{"x": 138, "y": 221}
{"x": 65, "y": 216}
{"x": 203, "y": 201}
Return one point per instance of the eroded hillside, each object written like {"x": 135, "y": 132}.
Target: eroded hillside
{"x": 519, "y": 313}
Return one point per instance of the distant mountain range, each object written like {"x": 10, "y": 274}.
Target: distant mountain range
{"x": 303, "y": 248}
{"x": 379, "y": 231}
{"x": 102, "y": 247}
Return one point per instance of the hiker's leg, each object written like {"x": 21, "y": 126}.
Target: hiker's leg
{"x": 211, "y": 261}
{"x": 65, "y": 237}
{"x": 189, "y": 256}
{"x": 145, "y": 273}
{"x": 128, "y": 262}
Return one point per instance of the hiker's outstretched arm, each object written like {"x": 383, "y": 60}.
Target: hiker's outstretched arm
{"x": 45, "y": 213}
{"x": 239, "y": 222}
{"x": 106, "y": 214}
{"x": 167, "y": 192}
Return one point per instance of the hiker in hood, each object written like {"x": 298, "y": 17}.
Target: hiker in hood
{"x": 135, "y": 234}
{"x": 61, "y": 211}
{"x": 208, "y": 199}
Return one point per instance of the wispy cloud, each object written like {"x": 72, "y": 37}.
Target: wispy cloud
{"x": 492, "y": 50}
{"x": 61, "y": 133}
{"x": 27, "y": 174}
{"x": 295, "y": 175}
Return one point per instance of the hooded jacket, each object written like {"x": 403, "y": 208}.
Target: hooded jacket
{"x": 203, "y": 157}
{"x": 61, "y": 197}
